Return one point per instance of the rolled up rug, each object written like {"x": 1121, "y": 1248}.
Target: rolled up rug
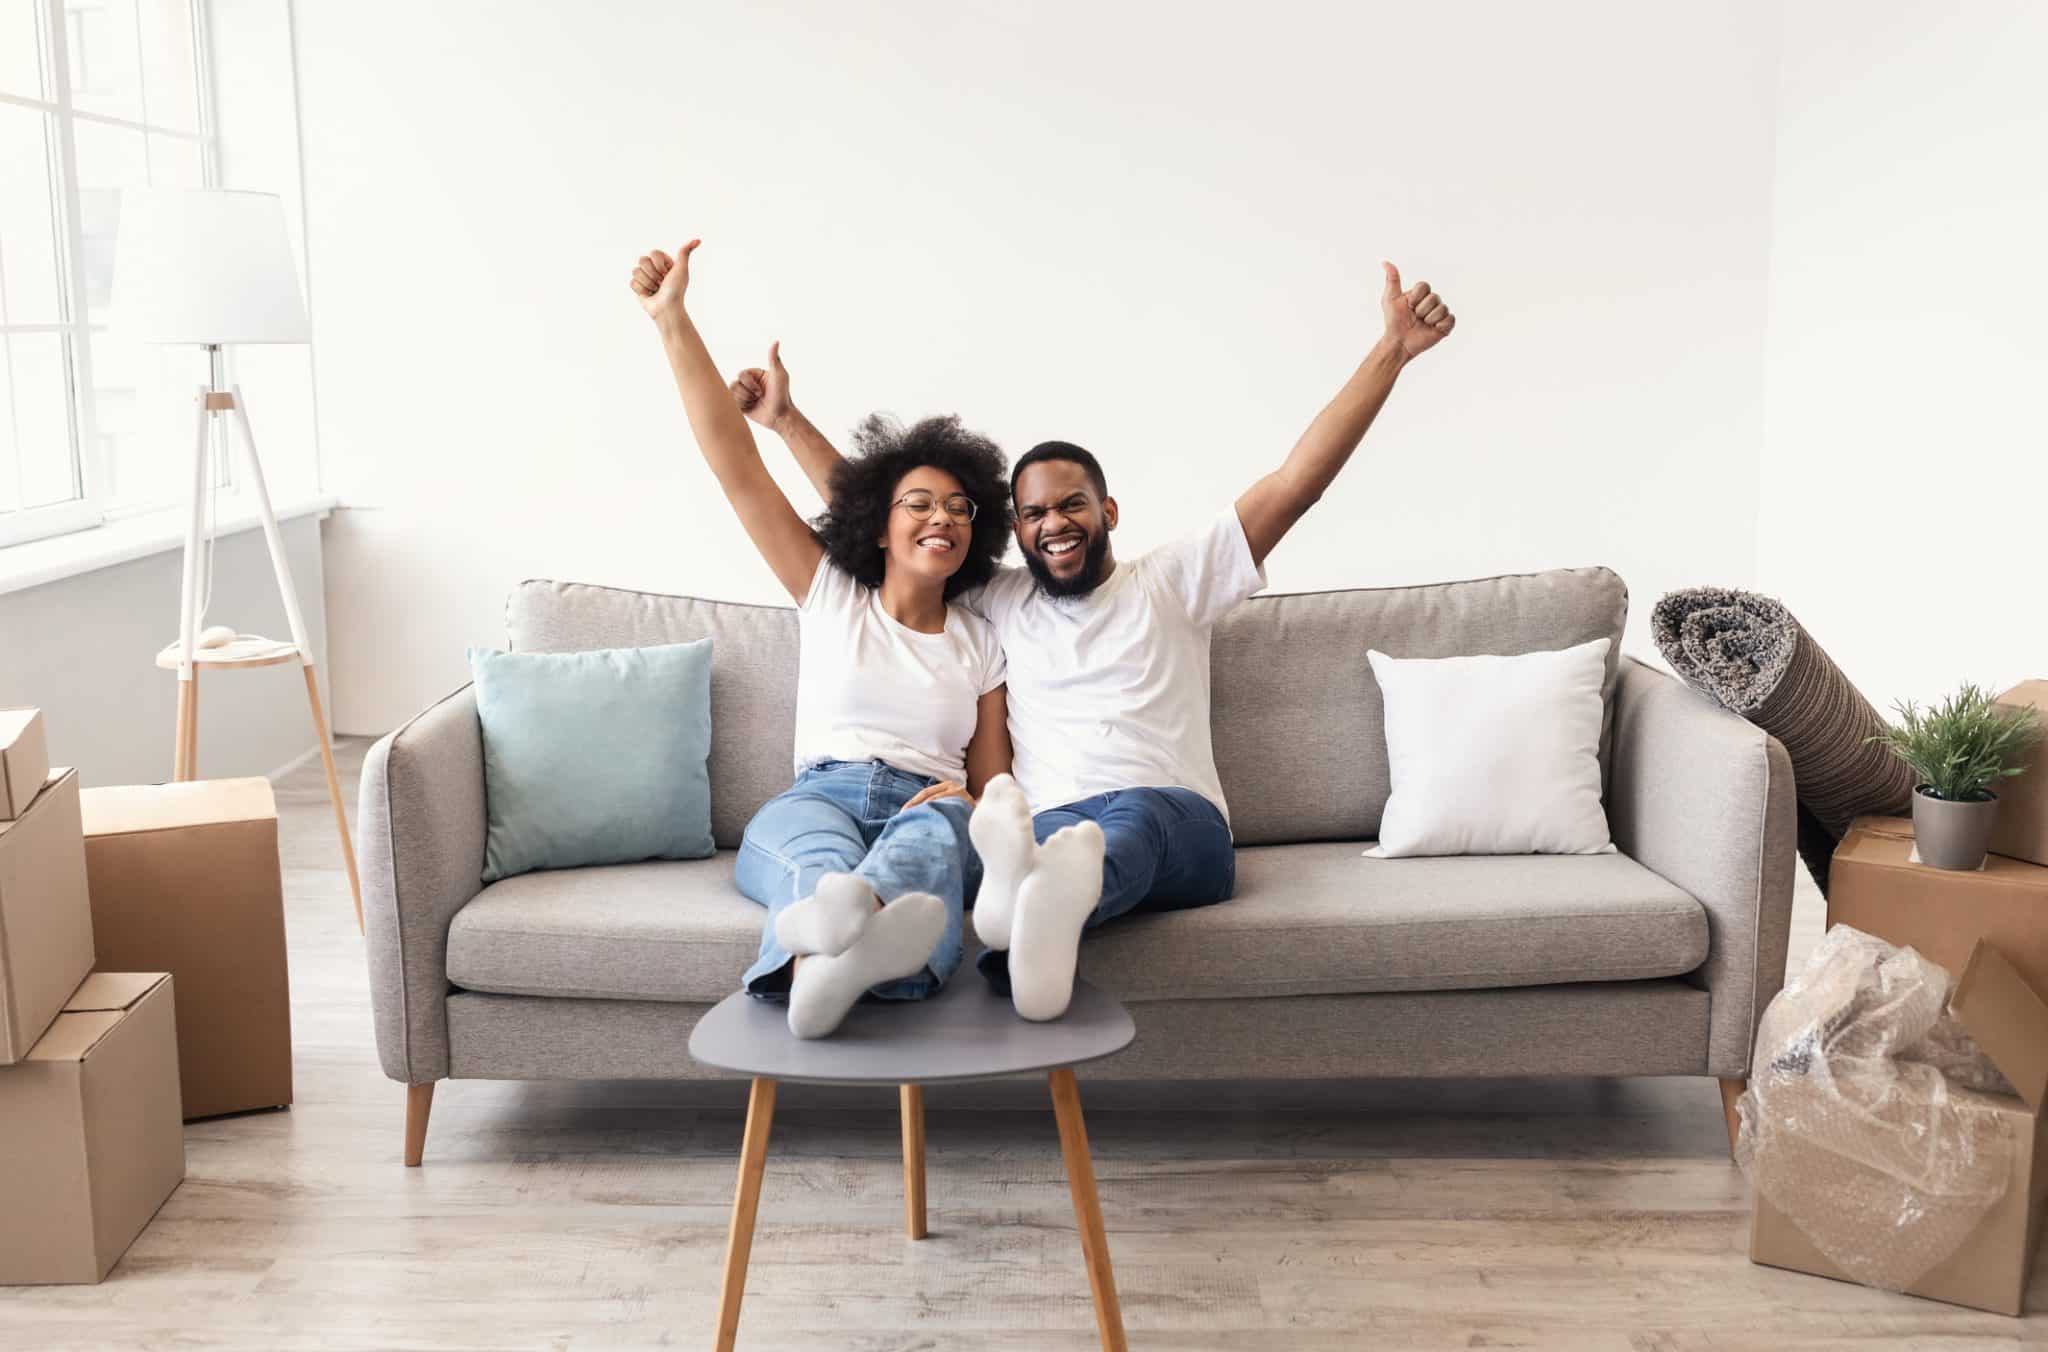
{"x": 1749, "y": 654}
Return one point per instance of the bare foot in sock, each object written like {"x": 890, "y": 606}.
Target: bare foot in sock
{"x": 1052, "y": 909}
{"x": 896, "y": 942}
{"x": 1001, "y": 831}
{"x": 830, "y": 919}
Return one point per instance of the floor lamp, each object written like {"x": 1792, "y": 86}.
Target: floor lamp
{"x": 209, "y": 267}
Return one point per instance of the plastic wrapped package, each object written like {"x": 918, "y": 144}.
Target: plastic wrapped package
{"x": 1863, "y": 1122}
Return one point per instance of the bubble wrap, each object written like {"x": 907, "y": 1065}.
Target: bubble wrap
{"x": 1860, "y": 1124}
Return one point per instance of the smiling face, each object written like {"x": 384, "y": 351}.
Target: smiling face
{"x": 933, "y": 548}
{"x": 1063, "y": 527}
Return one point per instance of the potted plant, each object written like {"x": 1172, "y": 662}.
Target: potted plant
{"x": 1958, "y": 749}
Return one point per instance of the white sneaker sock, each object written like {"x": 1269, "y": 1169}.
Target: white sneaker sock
{"x": 1001, "y": 831}
{"x": 830, "y": 919}
{"x": 1052, "y": 909}
{"x": 896, "y": 942}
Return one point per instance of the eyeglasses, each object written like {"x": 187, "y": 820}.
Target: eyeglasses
{"x": 921, "y": 506}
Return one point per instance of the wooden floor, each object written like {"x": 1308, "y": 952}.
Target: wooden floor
{"x": 1581, "y": 1216}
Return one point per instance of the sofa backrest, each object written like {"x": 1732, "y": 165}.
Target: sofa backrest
{"x": 1295, "y": 711}
{"x": 753, "y": 674}
{"x": 1298, "y": 722}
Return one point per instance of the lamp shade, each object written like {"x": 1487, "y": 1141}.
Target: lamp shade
{"x": 206, "y": 266}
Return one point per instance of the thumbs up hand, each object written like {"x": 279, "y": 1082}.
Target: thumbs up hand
{"x": 763, "y": 392}
{"x": 1417, "y": 319}
{"x": 660, "y": 281}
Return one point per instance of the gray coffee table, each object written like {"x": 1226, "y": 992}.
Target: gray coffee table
{"x": 966, "y": 1032}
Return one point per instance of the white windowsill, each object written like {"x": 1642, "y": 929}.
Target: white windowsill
{"x": 39, "y": 561}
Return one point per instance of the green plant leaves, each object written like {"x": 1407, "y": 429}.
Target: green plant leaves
{"x": 1963, "y": 745}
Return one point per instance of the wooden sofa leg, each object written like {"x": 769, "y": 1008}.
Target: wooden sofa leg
{"x": 1731, "y": 1090}
{"x": 419, "y": 1101}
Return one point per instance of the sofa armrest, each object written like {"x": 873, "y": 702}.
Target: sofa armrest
{"x": 1704, "y": 798}
{"x": 420, "y": 818}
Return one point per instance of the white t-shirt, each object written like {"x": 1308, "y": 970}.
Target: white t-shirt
{"x": 1111, "y": 690}
{"x": 867, "y": 688}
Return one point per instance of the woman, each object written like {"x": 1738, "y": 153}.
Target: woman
{"x": 864, "y": 863}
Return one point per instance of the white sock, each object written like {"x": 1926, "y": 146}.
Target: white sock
{"x": 1052, "y": 909}
{"x": 896, "y": 942}
{"x": 830, "y": 919}
{"x": 1001, "y": 831}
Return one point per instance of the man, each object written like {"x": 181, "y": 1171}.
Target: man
{"x": 1109, "y": 672}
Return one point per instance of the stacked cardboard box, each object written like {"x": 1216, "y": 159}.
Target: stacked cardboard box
{"x": 92, "y": 1144}
{"x": 1989, "y": 1271}
{"x": 2022, "y": 830}
{"x": 185, "y": 880}
{"x": 90, "y": 1138}
{"x": 1991, "y": 926}
{"x": 45, "y": 919}
{"x": 1878, "y": 885}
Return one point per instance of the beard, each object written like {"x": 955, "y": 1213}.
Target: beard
{"x": 1094, "y": 555}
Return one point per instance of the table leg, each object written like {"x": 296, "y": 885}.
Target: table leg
{"x": 185, "y": 755}
{"x": 913, "y": 1160}
{"x": 1066, "y": 1107}
{"x": 348, "y": 849}
{"x": 747, "y": 1197}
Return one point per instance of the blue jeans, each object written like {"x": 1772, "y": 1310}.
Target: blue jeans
{"x": 1163, "y": 850}
{"x": 846, "y": 817}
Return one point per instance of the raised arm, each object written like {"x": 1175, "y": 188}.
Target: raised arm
{"x": 722, "y": 434}
{"x": 762, "y": 393}
{"x": 1416, "y": 320}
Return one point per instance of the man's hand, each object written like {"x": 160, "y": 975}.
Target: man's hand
{"x": 942, "y": 789}
{"x": 1417, "y": 318}
{"x": 763, "y": 392}
{"x": 659, "y": 281}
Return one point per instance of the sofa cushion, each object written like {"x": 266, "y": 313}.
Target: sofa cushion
{"x": 665, "y": 930}
{"x": 1296, "y": 716}
{"x": 1322, "y": 920}
{"x": 1307, "y": 920}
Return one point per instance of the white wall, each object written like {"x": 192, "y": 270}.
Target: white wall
{"x": 1905, "y": 457}
{"x": 82, "y": 649}
{"x": 1153, "y": 231}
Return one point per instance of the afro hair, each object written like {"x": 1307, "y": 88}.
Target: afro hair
{"x": 864, "y": 493}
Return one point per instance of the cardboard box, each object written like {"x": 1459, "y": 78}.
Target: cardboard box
{"x": 184, "y": 879}
{"x": 2022, "y": 829}
{"x": 24, "y": 760}
{"x": 46, "y": 943}
{"x": 1875, "y": 886}
{"x": 1989, "y": 1272}
{"x": 90, "y": 1138}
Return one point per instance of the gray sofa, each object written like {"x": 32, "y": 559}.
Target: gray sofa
{"x": 1656, "y": 960}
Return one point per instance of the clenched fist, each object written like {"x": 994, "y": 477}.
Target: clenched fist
{"x": 659, "y": 281}
{"x": 763, "y": 392}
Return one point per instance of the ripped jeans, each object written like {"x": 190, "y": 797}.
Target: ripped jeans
{"x": 846, "y": 817}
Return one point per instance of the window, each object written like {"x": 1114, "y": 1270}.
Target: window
{"x": 95, "y": 96}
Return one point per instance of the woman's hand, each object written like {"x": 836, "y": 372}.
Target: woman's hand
{"x": 945, "y": 788}
{"x": 659, "y": 281}
{"x": 763, "y": 392}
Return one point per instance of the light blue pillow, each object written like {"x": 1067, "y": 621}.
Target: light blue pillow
{"x": 594, "y": 757}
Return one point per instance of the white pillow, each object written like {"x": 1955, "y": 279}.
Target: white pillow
{"x": 1494, "y": 755}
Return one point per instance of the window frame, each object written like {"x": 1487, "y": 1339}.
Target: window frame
{"x": 94, "y": 505}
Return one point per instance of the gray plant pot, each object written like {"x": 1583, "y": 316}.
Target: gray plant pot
{"x": 1952, "y": 835}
